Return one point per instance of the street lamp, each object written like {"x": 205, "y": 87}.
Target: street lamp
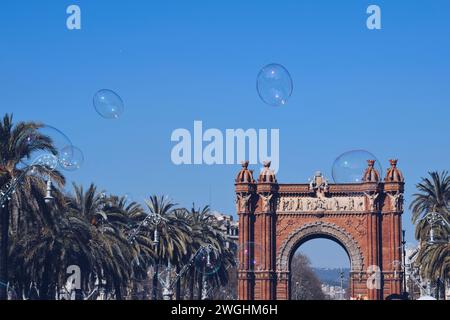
{"x": 48, "y": 192}
{"x": 404, "y": 260}
{"x": 436, "y": 219}
{"x": 168, "y": 277}
{"x": 48, "y": 161}
{"x": 206, "y": 292}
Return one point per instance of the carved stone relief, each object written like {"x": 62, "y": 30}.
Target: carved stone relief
{"x": 242, "y": 202}
{"x": 396, "y": 201}
{"x": 311, "y": 204}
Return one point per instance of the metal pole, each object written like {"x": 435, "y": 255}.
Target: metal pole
{"x": 167, "y": 292}
{"x": 155, "y": 276}
{"x": 205, "y": 289}
{"x": 404, "y": 260}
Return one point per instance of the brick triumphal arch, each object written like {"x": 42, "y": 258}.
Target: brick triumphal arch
{"x": 275, "y": 219}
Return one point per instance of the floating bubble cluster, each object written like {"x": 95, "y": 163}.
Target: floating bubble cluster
{"x": 45, "y": 135}
{"x": 67, "y": 156}
{"x": 274, "y": 84}
{"x": 47, "y": 160}
{"x": 349, "y": 167}
{"x": 108, "y": 104}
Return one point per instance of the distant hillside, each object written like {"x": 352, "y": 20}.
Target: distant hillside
{"x": 331, "y": 276}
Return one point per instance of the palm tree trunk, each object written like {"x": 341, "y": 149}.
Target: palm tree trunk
{"x": 444, "y": 289}
{"x": 4, "y": 229}
{"x": 155, "y": 282}
{"x": 44, "y": 287}
{"x": 200, "y": 286}
{"x": 437, "y": 290}
{"x": 191, "y": 285}
{"x": 118, "y": 291}
{"x": 178, "y": 285}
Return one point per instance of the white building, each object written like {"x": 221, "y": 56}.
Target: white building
{"x": 229, "y": 227}
{"x": 333, "y": 292}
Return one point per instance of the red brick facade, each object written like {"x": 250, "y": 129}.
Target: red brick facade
{"x": 275, "y": 219}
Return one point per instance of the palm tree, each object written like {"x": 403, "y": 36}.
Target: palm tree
{"x": 90, "y": 233}
{"x": 433, "y": 196}
{"x": 15, "y": 146}
{"x": 206, "y": 230}
{"x": 434, "y": 261}
{"x": 109, "y": 243}
{"x": 173, "y": 235}
{"x": 42, "y": 256}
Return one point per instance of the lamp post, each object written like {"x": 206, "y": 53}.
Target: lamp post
{"x": 157, "y": 219}
{"x": 205, "y": 289}
{"x": 171, "y": 278}
{"x": 156, "y": 241}
{"x": 404, "y": 260}
{"x": 341, "y": 278}
{"x": 167, "y": 288}
{"x": 47, "y": 161}
{"x": 436, "y": 219}
{"x": 6, "y": 192}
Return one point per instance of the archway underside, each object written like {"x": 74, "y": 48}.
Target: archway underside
{"x": 320, "y": 230}
{"x": 305, "y": 232}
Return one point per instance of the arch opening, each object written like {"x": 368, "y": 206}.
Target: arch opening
{"x": 324, "y": 230}
{"x": 319, "y": 269}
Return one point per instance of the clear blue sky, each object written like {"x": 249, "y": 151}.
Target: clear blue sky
{"x": 174, "y": 62}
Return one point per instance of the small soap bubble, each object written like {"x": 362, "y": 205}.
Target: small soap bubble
{"x": 274, "y": 84}
{"x": 108, "y": 104}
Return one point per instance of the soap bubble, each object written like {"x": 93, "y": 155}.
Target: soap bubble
{"x": 46, "y": 160}
{"x": 71, "y": 158}
{"x": 274, "y": 84}
{"x": 207, "y": 261}
{"x": 166, "y": 273}
{"x": 249, "y": 255}
{"x": 108, "y": 104}
{"x": 350, "y": 166}
{"x": 44, "y": 135}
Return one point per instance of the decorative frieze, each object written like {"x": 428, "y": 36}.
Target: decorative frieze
{"x": 313, "y": 204}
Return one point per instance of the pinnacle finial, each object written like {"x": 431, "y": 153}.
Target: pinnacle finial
{"x": 393, "y": 162}
{"x": 267, "y": 164}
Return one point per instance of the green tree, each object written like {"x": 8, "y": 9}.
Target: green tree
{"x": 111, "y": 251}
{"x": 433, "y": 196}
{"x": 172, "y": 235}
{"x": 207, "y": 230}
{"x": 15, "y": 147}
{"x": 305, "y": 284}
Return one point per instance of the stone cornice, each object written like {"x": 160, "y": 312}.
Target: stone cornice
{"x": 333, "y": 214}
{"x": 245, "y": 187}
{"x": 334, "y": 189}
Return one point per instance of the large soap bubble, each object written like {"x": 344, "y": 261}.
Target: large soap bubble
{"x": 350, "y": 166}
{"x": 274, "y": 84}
{"x": 45, "y": 135}
{"x": 207, "y": 261}
{"x": 108, "y": 104}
